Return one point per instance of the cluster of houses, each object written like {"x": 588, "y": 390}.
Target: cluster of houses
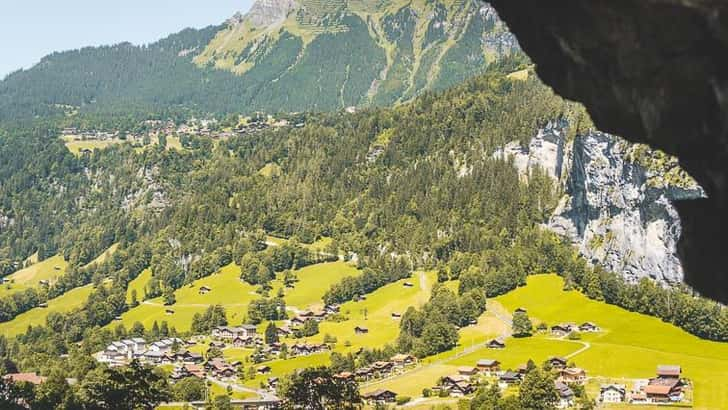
{"x": 461, "y": 384}
{"x": 565, "y": 376}
{"x": 202, "y": 127}
{"x": 380, "y": 369}
{"x": 165, "y": 351}
{"x": 666, "y": 387}
{"x": 379, "y": 397}
{"x": 319, "y": 316}
{"x": 563, "y": 329}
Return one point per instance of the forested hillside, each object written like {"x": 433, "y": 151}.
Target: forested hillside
{"x": 279, "y": 58}
{"x": 413, "y": 187}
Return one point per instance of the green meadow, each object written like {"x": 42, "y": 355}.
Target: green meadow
{"x": 77, "y": 146}
{"x": 375, "y": 313}
{"x": 378, "y": 306}
{"x": 105, "y": 255}
{"x": 226, "y": 289}
{"x": 313, "y": 282}
{"x": 229, "y": 291}
{"x": 317, "y": 246}
{"x": 630, "y": 346}
{"x": 48, "y": 269}
{"x": 67, "y": 302}
{"x": 139, "y": 284}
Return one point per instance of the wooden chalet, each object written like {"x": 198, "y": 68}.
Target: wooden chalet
{"x": 382, "y": 369}
{"x": 379, "y": 396}
{"x": 468, "y": 371}
{"x": 612, "y": 393}
{"x": 204, "y": 290}
{"x": 360, "y": 330}
{"x": 187, "y": 357}
{"x": 566, "y": 395}
{"x": 510, "y": 377}
{"x": 562, "y": 329}
{"x": 263, "y": 369}
{"x": 669, "y": 371}
{"x": 303, "y": 349}
{"x": 217, "y": 345}
{"x": 240, "y": 342}
{"x": 664, "y": 390}
{"x": 220, "y": 369}
{"x": 345, "y": 376}
{"x": 298, "y": 321}
{"x": 488, "y": 365}
{"x": 457, "y": 386}
{"x": 332, "y": 309}
{"x": 495, "y": 344}
{"x": 364, "y": 373}
{"x": 588, "y": 327}
{"x": 402, "y": 360}
{"x": 572, "y": 375}
{"x": 230, "y": 333}
{"x": 557, "y": 362}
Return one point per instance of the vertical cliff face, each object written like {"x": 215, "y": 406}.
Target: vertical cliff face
{"x": 616, "y": 206}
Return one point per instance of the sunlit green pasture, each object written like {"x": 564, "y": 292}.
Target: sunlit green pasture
{"x": 226, "y": 289}
{"x": 49, "y": 269}
{"x": 70, "y": 300}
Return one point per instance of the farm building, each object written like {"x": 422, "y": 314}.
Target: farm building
{"x": 612, "y": 393}
{"x": 379, "y": 396}
{"x": 572, "y": 375}
{"x": 495, "y": 344}
{"x": 488, "y": 365}
{"x": 557, "y": 362}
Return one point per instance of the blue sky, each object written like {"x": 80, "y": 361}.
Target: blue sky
{"x": 31, "y": 29}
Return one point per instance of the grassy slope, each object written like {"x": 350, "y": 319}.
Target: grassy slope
{"x": 70, "y": 300}
{"x": 139, "y": 284}
{"x": 29, "y": 277}
{"x": 382, "y": 329}
{"x": 630, "y": 347}
{"x": 106, "y": 254}
{"x": 318, "y": 246}
{"x": 232, "y": 293}
{"x": 379, "y": 307}
{"x": 633, "y": 344}
{"x": 227, "y": 290}
{"x": 76, "y": 146}
{"x": 313, "y": 282}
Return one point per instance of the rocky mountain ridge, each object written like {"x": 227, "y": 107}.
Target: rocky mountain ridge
{"x": 616, "y": 204}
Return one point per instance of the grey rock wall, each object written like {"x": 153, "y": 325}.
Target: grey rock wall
{"x": 614, "y": 208}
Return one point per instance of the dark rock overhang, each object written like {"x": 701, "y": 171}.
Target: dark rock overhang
{"x": 655, "y": 72}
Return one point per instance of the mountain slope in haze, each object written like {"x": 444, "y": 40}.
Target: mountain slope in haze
{"x": 284, "y": 55}
{"x": 406, "y": 47}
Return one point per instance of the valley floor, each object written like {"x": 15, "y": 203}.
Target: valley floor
{"x": 629, "y": 347}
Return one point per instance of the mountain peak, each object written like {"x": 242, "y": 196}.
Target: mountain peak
{"x": 264, "y": 13}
